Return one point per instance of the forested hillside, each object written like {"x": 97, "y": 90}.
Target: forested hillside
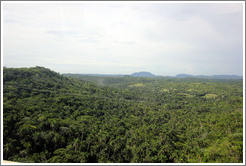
{"x": 48, "y": 117}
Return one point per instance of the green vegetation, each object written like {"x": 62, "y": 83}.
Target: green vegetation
{"x": 210, "y": 96}
{"x": 48, "y": 117}
{"x": 137, "y": 85}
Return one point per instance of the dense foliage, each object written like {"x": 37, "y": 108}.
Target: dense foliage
{"x": 48, "y": 117}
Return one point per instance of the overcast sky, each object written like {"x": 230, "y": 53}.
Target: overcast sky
{"x": 122, "y": 38}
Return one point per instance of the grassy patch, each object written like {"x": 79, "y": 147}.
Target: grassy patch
{"x": 137, "y": 85}
{"x": 210, "y": 96}
{"x": 165, "y": 90}
{"x": 186, "y": 95}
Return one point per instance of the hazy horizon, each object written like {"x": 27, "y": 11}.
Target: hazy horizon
{"x": 128, "y": 73}
{"x": 124, "y": 37}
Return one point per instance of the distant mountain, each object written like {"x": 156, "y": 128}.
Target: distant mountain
{"x": 183, "y": 75}
{"x": 210, "y": 77}
{"x": 143, "y": 74}
{"x": 150, "y": 75}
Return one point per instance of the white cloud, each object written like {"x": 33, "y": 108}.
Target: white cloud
{"x": 164, "y": 38}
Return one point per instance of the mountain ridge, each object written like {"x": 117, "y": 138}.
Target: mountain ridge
{"x": 143, "y": 74}
{"x": 135, "y": 74}
{"x": 209, "y": 76}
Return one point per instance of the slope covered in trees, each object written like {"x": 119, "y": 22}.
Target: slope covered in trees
{"x": 48, "y": 117}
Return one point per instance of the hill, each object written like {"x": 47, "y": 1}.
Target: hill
{"x": 34, "y": 77}
{"x": 143, "y": 74}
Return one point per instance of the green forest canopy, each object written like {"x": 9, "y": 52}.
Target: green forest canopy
{"x": 52, "y": 118}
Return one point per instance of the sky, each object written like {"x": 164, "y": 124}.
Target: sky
{"x": 124, "y": 37}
